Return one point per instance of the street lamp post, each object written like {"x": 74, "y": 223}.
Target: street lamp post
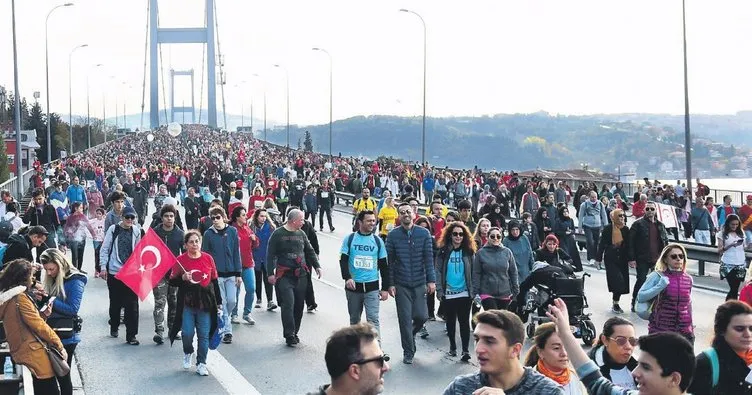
{"x": 47, "y": 78}
{"x": 88, "y": 112}
{"x": 256, "y": 75}
{"x": 423, "y": 145}
{"x": 287, "y": 89}
{"x": 331, "y": 158}
{"x": 687, "y": 136}
{"x": 16, "y": 97}
{"x": 242, "y": 105}
{"x": 70, "y": 94}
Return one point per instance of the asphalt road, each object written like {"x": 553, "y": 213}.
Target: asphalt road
{"x": 258, "y": 360}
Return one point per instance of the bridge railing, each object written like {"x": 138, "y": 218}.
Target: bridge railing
{"x": 12, "y": 184}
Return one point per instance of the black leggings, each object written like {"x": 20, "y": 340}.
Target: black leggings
{"x": 66, "y": 386}
{"x": 458, "y": 310}
{"x": 46, "y": 386}
{"x": 495, "y": 303}
{"x": 734, "y": 283}
{"x": 262, "y": 278}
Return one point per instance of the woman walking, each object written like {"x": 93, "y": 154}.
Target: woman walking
{"x": 521, "y": 249}
{"x": 495, "y": 281}
{"x": 263, "y": 227}
{"x": 75, "y": 233}
{"x": 198, "y": 300}
{"x": 614, "y": 249}
{"x": 481, "y": 232}
{"x": 453, "y": 282}
{"x": 66, "y": 284}
{"x": 248, "y": 242}
{"x": 731, "y": 245}
{"x": 564, "y": 230}
{"x": 25, "y": 329}
{"x": 669, "y": 289}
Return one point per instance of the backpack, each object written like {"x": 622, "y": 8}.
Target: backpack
{"x": 714, "y": 366}
{"x": 352, "y": 236}
{"x": 6, "y": 229}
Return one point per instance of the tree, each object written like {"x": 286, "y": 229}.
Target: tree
{"x": 36, "y": 122}
{"x": 308, "y": 142}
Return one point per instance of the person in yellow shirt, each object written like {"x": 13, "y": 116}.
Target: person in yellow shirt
{"x": 387, "y": 217}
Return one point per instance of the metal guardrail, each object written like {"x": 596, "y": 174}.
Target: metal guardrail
{"x": 11, "y": 184}
{"x": 700, "y": 252}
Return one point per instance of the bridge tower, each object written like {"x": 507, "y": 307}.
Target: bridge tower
{"x": 173, "y": 109}
{"x": 190, "y": 35}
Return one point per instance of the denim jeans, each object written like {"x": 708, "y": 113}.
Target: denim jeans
{"x": 592, "y": 236}
{"x": 196, "y": 321}
{"x": 748, "y": 235}
{"x": 249, "y": 282}
{"x": 228, "y": 290}
{"x": 702, "y": 236}
{"x": 356, "y": 301}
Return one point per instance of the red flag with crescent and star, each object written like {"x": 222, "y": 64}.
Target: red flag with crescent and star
{"x": 149, "y": 263}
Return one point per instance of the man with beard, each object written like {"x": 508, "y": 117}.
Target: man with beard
{"x": 647, "y": 238}
{"x": 355, "y": 362}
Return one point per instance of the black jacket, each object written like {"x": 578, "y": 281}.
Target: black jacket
{"x": 558, "y": 258}
{"x": 311, "y": 234}
{"x": 639, "y": 243}
{"x": 140, "y": 200}
{"x": 19, "y": 246}
{"x": 48, "y": 217}
{"x": 325, "y": 203}
{"x": 731, "y": 375}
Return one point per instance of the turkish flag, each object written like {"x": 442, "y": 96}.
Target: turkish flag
{"x": 149, "y": 263}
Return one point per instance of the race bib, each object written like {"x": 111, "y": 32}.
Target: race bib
{"x": 363, "y": 262}
{"x": 324, "y": 195}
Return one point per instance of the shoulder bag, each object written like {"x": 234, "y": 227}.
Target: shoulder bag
{"x": 59, "y": 364}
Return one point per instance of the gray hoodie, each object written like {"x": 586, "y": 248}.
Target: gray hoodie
{"x": 495, "y": 272}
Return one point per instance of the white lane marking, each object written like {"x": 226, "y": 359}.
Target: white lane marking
{"x": 222, "y": 370}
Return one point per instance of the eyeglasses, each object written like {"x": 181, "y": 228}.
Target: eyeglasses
{"x": 458, "y": 234}
{"x": 130, "y": 217}
{"x": 649, "y": 208}
{"x": 380, "y": 359}
{"x": 216, "y": 217}
{"x": 677, "y": 256}
{"x": 495, "y": 236}
{"x": 621, "y": 341}
{"x": 405, "y": 212}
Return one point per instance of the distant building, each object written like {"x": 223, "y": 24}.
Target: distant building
{"x": 29, "y": 145}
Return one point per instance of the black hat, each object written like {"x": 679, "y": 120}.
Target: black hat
{"x": 37, "y": 230}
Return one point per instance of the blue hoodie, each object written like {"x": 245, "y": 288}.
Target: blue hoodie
{"x": 259, "y": 254}
{"x": 224, "y": 247}
{"x": 68, "y": 306}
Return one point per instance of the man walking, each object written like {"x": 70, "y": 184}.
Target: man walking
{"x": 289, "y": 259}
{"x": 647, "y": 238}
{"x": 164, "y": 294}
{"x": 411, "y": 276}
{"x": 592, "y": 218}
{"x": 325, "y": 200}
{"x": 363, "y": 257}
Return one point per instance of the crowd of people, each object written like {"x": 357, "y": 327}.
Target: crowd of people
{"x": 485, "y": 241}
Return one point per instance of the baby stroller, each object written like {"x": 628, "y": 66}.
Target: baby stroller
{"x": 572, "y": 291}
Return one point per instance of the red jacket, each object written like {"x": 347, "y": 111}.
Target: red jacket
{"x": 248, "y": 242}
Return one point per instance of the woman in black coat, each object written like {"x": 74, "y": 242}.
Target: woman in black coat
{"x": 564, "y": 229}
{"x": 615, "y": 251}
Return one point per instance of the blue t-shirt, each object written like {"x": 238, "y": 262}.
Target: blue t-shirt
{"x": 455, "y": 273}
{"x": 364, "y": 256}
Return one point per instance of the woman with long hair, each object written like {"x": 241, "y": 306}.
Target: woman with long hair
{"x": 248, "y": 242}
{"x": 25, "y": 328}
{"x": 456, "y": 248}
{"x": 481, "y": 232}
{"x": 669, "y": 287}
{"x": 732, "y": 351}
{"x": 614, "y": 249}
{"x": 613, "y": 352}
{"x": 75, "y": 230}
{"x": 66, "y": 284}
{"x": 731, "y": 245}
{"x": 549, "y": 358}
{"x": 495, "y": 280}
{"x": 262, "y": 227}
{"x": 199, "y": 298}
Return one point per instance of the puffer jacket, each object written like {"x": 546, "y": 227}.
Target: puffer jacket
{"x": 24, "y": 347}
{"x": 673, "y": 309}
{"x": 74, "y": 287}
{"x": 410, "y": 256}
{"x": 495, "y": 272}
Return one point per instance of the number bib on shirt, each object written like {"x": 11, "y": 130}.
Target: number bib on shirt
{"x": 363, "y": 262}
{"x": 324, "y": 195}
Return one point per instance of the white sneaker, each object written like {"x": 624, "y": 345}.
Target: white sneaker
{"x": 187, "y": 361}
{"x": 234, "y": 319}
{"x": 592, "y": 262}
{"x": 249, "y": 319}
{"x": 202, "y": 370}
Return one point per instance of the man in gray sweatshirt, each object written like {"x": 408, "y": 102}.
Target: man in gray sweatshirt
{"x": 592, "y": 218}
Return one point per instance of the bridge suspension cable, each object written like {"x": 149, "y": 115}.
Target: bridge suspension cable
{"x": 146, "y": 51}
{"x": 221, "y": 65}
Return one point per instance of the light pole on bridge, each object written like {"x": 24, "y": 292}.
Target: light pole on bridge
{"x": 88, "y": 112}
{"x": 287, "y": 94}
{"x": 258, "y": 76}
{"x": 70, "y": 95}
{"x": 423, "y": 144}
{"x": 47, "y": 79}
{"x": 331, "y": 158}
{"x": 687, "y": 136}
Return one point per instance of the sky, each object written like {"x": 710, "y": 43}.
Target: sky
{"x": 483, "y": 57}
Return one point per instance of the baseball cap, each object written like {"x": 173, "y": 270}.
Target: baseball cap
{"x": 129, "y": 211}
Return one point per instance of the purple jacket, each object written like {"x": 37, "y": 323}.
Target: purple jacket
{"x": 673, "y": 312}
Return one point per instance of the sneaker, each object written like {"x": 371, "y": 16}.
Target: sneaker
{"x": 331, "y": 229}
{"x": 312, "y": 308}
{"x": 407, "y": 360}
{"x": 202, "y": 370}
{"x": 297, "y": 339}
{"x": 249, "y": 319}
{"x": 258, "y": 305}
{"x": 423, "y": 332}
{"x": 617, "y": 309}
{"x": 179, "y": 335}
{"x": 633, "y": 310}
{"x": 114, "y": 333}
{"x": 452, "y": 353}
{"x": 83, "y": 272}
{"x": 321, "y": 229}
{"x": 158, "y": 339}
{"x": 133, "y": 342}
{"x": 227, "y": 338}
{"x": 290, "y": 341}
{"x": 465, "y": 356}
{"x": 187, "y": 361}
{"x": 271, "y": 306}
{"x": 592, "y": 263}
{"x": 234, "y": 319}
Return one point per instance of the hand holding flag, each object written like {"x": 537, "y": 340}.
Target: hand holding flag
{"x": 147, "y": 265}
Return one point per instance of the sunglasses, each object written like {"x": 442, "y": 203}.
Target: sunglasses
{"x": 622, "y": 341}
{"x": 217, "y": 217}
{"x": 131, "y": 217}
{"x": 495, "y": 237}
{"x": 677, "y": 256}
{"x": 649, "y": 209}
{"x": 405, "y": 212}
{"x": 380, "y": 359}
{"x": 459, "y": 234}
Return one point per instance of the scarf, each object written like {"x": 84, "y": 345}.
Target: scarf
{"x": 561, "y": 378}
{"x": 746, "y": 356}
{"x": 618, "y": 223}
